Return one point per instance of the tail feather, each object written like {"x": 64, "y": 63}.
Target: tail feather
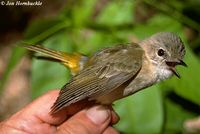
{"x": 48, "y": 52}
{"x": 73, "y": 60}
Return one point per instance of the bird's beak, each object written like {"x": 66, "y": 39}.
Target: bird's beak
{"x": 182, "y": 63}
{"x": 175, "y": 72}
{"x": 172, "y": 65}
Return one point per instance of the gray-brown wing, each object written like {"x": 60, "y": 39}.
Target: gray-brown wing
{"x": 106, "y": 70}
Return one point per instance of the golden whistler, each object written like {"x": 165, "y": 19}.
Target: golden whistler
{"x": 116, "y": 72}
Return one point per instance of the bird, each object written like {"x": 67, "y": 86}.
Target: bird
{"x": 116, "y": 72}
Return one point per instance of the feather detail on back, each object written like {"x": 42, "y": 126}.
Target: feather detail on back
{"x": 105, "y": 71}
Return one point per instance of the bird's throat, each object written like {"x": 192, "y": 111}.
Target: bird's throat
{"x": 163, "y": 73}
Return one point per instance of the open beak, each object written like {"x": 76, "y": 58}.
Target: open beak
{"x": 175, "y": 72}
{"x": 172, "y": 65}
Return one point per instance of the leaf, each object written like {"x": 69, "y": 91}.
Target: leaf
{"x": 175, "y": 117}
{"x": 116, "y": 13}
{"x": 35, "y": 33}
{"x": 88, "y": 42}
{"x": 82, "y": 12}
{"x": 158, "y": 23}
{"x": 39, "y": 26}
{"x": 187, "y": 86}
{"x": 141, "y": 112}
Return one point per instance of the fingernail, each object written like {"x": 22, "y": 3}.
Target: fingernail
{"x": 98, "y": 114}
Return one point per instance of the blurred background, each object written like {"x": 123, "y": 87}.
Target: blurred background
{"x": 171, "y": 107}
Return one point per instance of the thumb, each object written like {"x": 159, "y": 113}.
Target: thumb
{"x": 90, "y": 121}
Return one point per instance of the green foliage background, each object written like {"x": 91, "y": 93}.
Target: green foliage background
{"x": 77, "y": 28}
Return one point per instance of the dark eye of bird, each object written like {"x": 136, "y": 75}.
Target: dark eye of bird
{"x": 161, "y": 52}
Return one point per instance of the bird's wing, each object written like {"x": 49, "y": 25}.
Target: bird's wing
{"x": 106, "y": 70}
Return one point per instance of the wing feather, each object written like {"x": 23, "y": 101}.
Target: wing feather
{"x": 105, "y": 71}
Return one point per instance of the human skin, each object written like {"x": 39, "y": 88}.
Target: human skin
{"x": 83, "y": 117}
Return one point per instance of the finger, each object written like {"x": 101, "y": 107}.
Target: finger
{"x": 34, "y": 117}
{"x": 89, "y": 121}
{"x": 115, "y": 117}
{"x": 110, "y": 130}
{"x": 39, "y": 110}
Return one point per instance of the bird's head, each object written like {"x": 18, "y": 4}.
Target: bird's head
{"x": 165, "y": 50}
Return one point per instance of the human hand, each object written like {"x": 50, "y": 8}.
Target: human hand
{"x": 36, "y": 119}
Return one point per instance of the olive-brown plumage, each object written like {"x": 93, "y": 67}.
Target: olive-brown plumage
{"x": 104, "y": 72}
{"x": 113, "y": 73}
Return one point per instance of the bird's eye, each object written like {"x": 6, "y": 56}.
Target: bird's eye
{"x": 161, "y": 52}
